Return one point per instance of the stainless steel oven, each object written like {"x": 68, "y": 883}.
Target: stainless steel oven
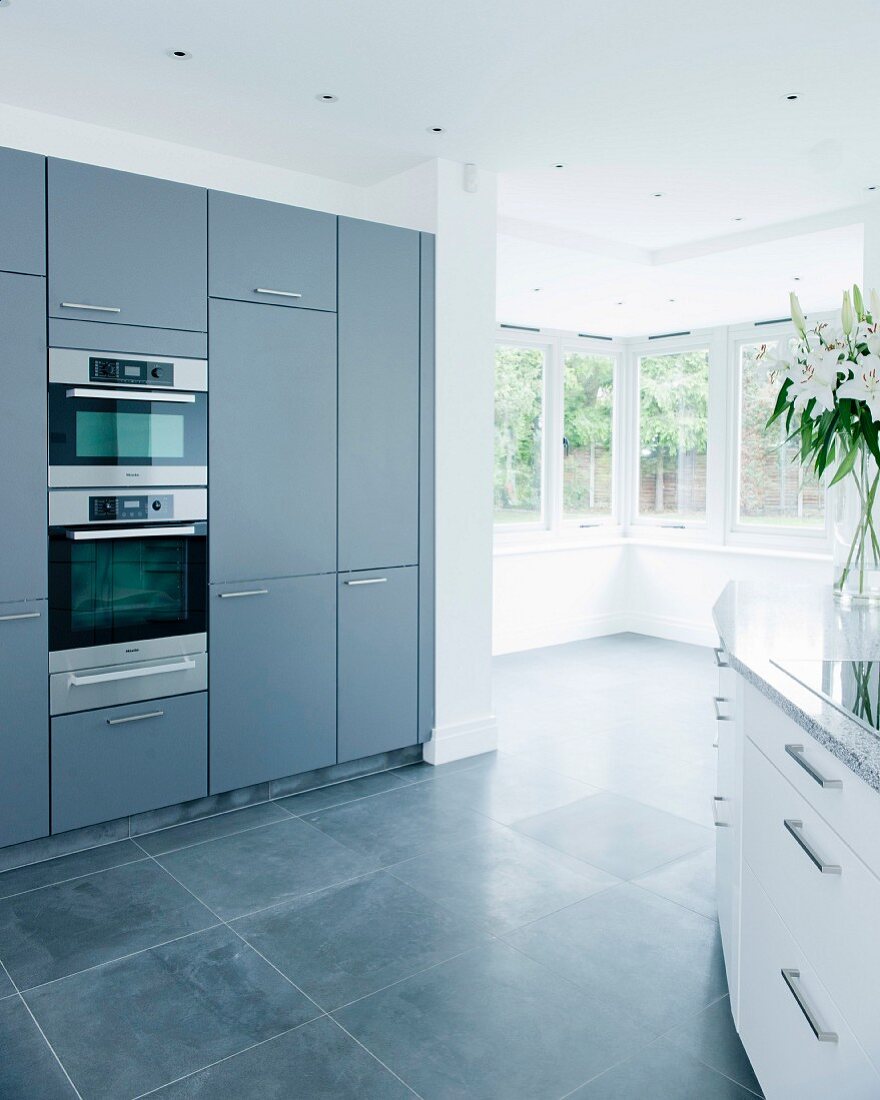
{"x": 127, "y": 596}
{"x": 126, "y": 420}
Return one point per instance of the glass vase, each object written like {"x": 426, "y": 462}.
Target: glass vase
{"x": 855, "y": 513}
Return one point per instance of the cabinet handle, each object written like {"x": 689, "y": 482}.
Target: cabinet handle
{"x": 796, "y": 752}
{"x": 718, "y": 824}
{"x": 794, "y": 827}
{"x": 791, "y": 977}
{"x": 719, "y": 654}
{"x": 131, "y": 673}
{"x": 98, "y": 533}
{"x": 249, "y": 592}
{"x": 277, "y": 293}
{"x": 23, "y": 615}
{"x": 368, "y": 580}
{"x": 135, "y": 718}
{"x": 719, "y": 717}
{"x": 97, "y": 309}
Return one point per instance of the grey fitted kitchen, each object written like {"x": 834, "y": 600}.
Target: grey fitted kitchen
{"x": 216, "y": 441}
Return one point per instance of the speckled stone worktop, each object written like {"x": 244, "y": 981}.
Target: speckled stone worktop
{"x": 759, "y": 623}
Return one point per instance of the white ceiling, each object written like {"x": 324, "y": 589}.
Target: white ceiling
{"x": 634, "y": 97}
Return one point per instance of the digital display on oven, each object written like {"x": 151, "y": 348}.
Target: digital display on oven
{"x": 138, "y": 372}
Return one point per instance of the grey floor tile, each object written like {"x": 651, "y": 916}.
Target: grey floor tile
{"x": 210, "y": 828}
{"x": 689, "y": 881}
{"x": 507, "y": 789}
{"x": 6, "y": 986}
{"x": 48, "y": 933}
{"x": 502, "y": 880}
{"x": 711, "y": 1037}
{"x": 654, "y": 960}
{"x": 622, "y": 836}
{"x": 138, "y": 1023}
{"x": 317, "y": 1061}
{"x": 423, "y": 771}
{"x": 400, "y": 824}
{"x": 343, "y": 943}
{"x": 491, "y": 1024}
{"x": 28, "y": 1068}
{"x": 237, "y": 874}
{"x": 339, "y": 793}
{"x": 662, "y": 1073}
{"x": 68, "y": 867}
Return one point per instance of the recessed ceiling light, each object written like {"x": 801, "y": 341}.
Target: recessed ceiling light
{"x": 796, "y": 278}
{"x": 619, "y": 303}
{"x": 656, "y": 194}
{"x": 180, "y": 55}
{"x": 671, "y": 299}
{"x": 792, "y": 96}
{"x": 558, "y": 165}
{"x": 326, "y": 97}
{"x": 738, "y": 219}
{"x": 436, "y": 130}
{"x": 535, "y": 289}
{"x": 872, "y": 187}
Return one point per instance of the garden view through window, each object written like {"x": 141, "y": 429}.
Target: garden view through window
{"x": 673, "y": 434}
{"x": 587, "y": 428}
{"x": 773, "y": 488}
{"x": 519, "y": 414}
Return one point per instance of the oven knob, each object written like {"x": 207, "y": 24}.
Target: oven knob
{"x": 156, "y": 372}
{"x": 157, "y": 505}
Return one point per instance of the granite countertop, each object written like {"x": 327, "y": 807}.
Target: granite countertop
{"x": 759, "y": 623}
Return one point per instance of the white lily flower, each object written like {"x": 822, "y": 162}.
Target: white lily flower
{"x": 865, "y": 386}
{"x": 777, "y": 365}
{"x": 817, "y": 380}
{"x": 847, "y": 316}
{"x": 797, "y": 314}
{"x": 872, "y": 339}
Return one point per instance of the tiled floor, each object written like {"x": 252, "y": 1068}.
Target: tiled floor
{"x": 537, "y": 924}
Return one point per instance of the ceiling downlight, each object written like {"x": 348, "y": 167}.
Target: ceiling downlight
{"x": 327, "y": 97}
{"x": 180, "y": 55}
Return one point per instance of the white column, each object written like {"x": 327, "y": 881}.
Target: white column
{"x": 465, "y": 271}
{"x": 871, "y": 261}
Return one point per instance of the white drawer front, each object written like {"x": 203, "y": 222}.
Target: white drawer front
{"x": 852, "y": 809}
{"x": 788, "y": 1058}
{"x": 833, "y": 914}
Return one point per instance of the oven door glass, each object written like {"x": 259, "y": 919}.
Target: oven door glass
{"x": 86, "y": 429}
{"x": 127, "y": 588}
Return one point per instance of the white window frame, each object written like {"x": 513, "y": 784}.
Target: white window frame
{"x": 553, "y": 526}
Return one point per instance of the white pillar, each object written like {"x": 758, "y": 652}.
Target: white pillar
{"x": 465, "y": 321}
{"x": 871, "y": 259}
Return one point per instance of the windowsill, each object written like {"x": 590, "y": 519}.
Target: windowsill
{"x": 548, "y": 543}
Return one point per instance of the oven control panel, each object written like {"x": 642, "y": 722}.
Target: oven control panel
{"x": 112, "y": 509}
{"x": 134, "y": 372}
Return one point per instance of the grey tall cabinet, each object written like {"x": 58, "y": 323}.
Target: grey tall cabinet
{"x": 24, "y": 722}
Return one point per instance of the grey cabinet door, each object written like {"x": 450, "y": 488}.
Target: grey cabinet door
{"x": 23, "y": 546}
{"x": 272, "y": 679}
{"x": 22, "y": 212}
{"x": 24, "y": 722}
{"x": 131, "y": 248}
{"x": 378, "y": 395}
{"x": 269, "y": 252}
{"x": 378, "y": 662}
{"x": 125, "y": 760}
{"x": 272, "y": 441}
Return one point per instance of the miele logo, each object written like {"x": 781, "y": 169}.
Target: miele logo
{"x": 135, "y": 650}
{"x": 128, "y": 474}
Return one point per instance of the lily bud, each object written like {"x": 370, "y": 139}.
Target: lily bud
{"x": 858, "y": 302}
{"x": 797, "y": 314}
{"x": 846, "y": 314}
{"x": 874, "y": 302}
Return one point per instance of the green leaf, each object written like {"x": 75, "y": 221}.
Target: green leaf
{"x": 849, "y": 461}
{"x": 781, "y": 402}
{"x": 869, "y": 430}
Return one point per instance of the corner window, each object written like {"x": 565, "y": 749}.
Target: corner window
{"x": 673, "y": 436}
{"x": 588, "y": 395}
{"x": 519, "y": 434}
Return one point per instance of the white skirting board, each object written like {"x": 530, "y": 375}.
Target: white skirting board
{"x": 459, "y": 741}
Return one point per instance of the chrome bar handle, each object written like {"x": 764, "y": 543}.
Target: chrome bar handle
{"x": 277, "y": 293}
{"x": 791, "y": 977}
{"x": 249, "y": 592}
{"x": 719, "y": 717}
{"x": 718, "y": 824}
{"x": 156, "y": 532}
{"x": 97, "y": 309}
{"x": 368, "y": 580}
{"x": 135, "y": 718}
{"x": 76, "y": 680}
{"x": 719, "y": 653}
{"x": 22, "y": 615}
{"x": 133, "y": 395}
{"x": 794, "y": 827}
{"x": 796, "y": 752}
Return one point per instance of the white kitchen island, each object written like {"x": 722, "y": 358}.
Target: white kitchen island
{"x": 797, "y": 810}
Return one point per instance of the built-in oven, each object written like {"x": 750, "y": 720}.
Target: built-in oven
{"x": 126, "y": 420}
{"x": 127, "y": 596}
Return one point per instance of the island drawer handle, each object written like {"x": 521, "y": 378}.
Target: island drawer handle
{"x": 718, "y": 824}
{"x": 719, "y": 717}
{"x": 277, "y": 293}
{"x": 796, "y": 752}
{"x": 96, "y": 309}
{"x": 719, "y": 654}
{"x": 795, "y": 828}
{"x": 791, "y": 977}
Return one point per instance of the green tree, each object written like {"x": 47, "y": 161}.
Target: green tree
{"x": 588, "y": 413}
{"x": 519, "y": 386}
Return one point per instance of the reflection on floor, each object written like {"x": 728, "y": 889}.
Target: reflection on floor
{"x": 533, "y": 924}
